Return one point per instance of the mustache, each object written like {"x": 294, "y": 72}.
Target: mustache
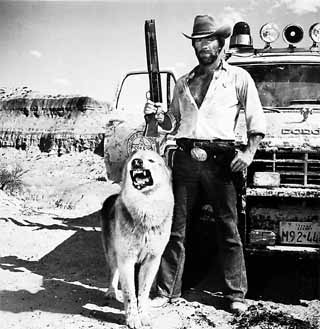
{"x": 208, "y": 51}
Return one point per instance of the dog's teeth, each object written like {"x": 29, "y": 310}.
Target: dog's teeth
{"x": 141, "y": 178}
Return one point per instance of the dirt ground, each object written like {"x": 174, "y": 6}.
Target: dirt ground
{"x": 52, "y": 270}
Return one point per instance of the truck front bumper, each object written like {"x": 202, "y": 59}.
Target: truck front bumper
{"x": 296, "y": 251}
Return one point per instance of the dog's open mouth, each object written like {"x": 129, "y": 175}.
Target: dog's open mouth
{"x": 141, "y": 178}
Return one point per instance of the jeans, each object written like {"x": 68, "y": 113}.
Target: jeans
{"x": 214, "y": 178}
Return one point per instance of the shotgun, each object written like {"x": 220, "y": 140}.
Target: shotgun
{"x": 151, "y": 129}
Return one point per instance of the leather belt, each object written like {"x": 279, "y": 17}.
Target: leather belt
{"x": 214, "y": 145}
{"x": 201, "y": 150}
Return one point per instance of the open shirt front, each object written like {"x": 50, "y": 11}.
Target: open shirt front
{"x": 231, "y": 89}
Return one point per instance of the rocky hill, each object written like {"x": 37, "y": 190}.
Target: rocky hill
{"x": 61, "y": 123}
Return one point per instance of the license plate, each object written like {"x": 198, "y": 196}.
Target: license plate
{"x": 301, "y": 233}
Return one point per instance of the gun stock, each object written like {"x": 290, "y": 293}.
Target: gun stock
{"x": 151, "y": 129}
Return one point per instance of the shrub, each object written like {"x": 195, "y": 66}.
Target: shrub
{"x": 10, "y": 178}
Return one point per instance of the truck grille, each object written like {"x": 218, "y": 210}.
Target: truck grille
{"x": 295, "y": 168}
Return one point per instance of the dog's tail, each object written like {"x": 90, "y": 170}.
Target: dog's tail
{"x": 107, "y": 210}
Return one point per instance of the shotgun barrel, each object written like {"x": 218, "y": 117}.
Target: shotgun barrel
{"x": 151, "y": 129}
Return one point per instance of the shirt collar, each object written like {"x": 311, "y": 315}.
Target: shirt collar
{"x": 224, "y": 65}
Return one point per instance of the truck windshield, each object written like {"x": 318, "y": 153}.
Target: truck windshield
{"x": 280, "y": 84}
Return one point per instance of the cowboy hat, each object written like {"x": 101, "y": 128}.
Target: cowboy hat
{"x": 205, "y": 26}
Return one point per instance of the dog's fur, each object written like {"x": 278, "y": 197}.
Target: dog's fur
{"x": 135, "y": 230}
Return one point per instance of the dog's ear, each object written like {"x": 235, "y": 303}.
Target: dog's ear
{"x": 132, "y": 153}
{"x": 169, "y": 172}
{"x": 124, "y": 168}
{"x": 108, "y": 206}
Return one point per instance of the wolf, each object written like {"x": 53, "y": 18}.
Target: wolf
{"x": 136, "y": 226}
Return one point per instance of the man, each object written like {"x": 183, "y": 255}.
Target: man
{"x": 202, "y": 116}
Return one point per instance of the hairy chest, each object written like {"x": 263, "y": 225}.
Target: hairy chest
{"x": 199, "y": 86}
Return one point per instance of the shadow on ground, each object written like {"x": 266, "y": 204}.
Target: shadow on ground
{"x": 74, "y": 274}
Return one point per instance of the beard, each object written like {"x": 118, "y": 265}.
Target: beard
{"x": 207, "y": 57}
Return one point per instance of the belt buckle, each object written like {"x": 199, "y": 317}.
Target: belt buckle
{"x": 199, "y": 154}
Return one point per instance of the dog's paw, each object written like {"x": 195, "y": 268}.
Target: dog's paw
{"x": 133, "y": 321}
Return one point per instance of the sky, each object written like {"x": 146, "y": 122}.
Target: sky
{"x": 84, "y": 47}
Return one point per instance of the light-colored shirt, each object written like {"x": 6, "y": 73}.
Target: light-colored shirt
{"x": 231, "y": 89}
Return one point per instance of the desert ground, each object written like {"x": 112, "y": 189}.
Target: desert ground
{"x": 52, "y": 269}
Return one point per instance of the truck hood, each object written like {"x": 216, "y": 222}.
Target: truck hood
{"x": 292, "y": 127}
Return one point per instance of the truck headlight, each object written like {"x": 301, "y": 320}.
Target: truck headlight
{"x": 266, "y": 179}
{"x": 262, "y": 237}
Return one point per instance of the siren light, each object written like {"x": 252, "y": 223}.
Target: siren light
{"x": 241, "y": 36}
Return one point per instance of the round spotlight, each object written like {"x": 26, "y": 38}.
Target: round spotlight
{"x": 269, "y": 32}
{"x": 241, "y": 36}
{"x": 314, "y": 32}
{"x": 292, "y": 33}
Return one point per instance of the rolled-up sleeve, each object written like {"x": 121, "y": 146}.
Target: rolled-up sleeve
{"x": 250, "y": 101}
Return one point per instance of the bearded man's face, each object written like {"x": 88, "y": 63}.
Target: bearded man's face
{"x": 207, "y": 49}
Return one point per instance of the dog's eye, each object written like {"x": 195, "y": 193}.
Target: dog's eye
{"x": 151, "y": 160}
